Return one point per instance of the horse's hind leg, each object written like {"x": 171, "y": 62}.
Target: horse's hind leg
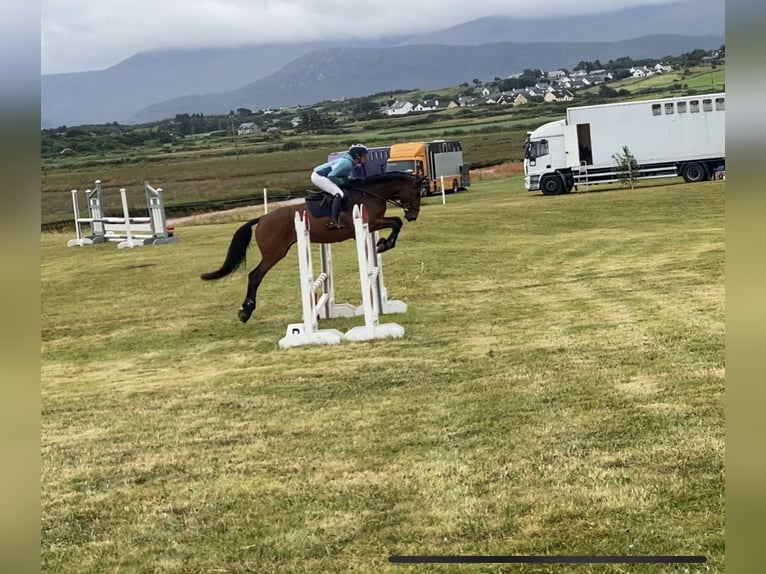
{"x": 254, "y": 281}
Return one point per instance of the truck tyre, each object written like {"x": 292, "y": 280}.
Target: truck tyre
{"x": 455, "y": 186}
{"x": 568, "y": 183}
{"x": 552, "y": 185}
{"x": 694, "y": 172}
{"x": 424, "y": 191}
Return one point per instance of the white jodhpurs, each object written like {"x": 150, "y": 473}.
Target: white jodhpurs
{"x": 325, "y": 184}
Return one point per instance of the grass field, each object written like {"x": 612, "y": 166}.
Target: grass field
{"x": 559, "y": 390}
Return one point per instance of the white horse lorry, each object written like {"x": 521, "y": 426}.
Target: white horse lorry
{"x": 679, "y": 136}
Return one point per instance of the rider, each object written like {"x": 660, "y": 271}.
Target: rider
{"x": 332, "y": 174}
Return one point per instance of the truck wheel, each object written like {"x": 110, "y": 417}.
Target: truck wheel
{"x": 552, "y": 185}
{"x": 455, "y": 186}
{"x": 568, "y": 183}
{"x": 424, "y": 189}
{"x": 694, "y": 172}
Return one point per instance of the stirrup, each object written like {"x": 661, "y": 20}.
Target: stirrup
{"x": 334, "y": 224}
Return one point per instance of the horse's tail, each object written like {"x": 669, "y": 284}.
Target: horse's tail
{"x": 237, "y": 250}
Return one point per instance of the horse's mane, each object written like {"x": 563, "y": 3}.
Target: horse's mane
{"x": 389, "y": 177}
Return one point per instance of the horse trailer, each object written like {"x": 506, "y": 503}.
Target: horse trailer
{"x": 375, "y": 164}
{"x": 440, "y": 161}
{"x": 679, "y": 136}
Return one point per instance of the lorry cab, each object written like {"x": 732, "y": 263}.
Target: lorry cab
{"x": 544, "y": 148}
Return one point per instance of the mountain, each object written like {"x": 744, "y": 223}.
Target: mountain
{"x": 687, "y": 18}
{"x": 353, "y": 72}
{"x": 119, "y": 92}
{"x": 131, "y": 88}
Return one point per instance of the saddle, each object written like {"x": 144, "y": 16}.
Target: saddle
{"x": 319, "y": 203}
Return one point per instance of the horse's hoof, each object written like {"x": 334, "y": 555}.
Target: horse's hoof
{"x": 246, "y": 311}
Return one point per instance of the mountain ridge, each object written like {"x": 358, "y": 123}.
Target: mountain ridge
{"x": 322, "y": 75}
{"x": 147, "y": 79}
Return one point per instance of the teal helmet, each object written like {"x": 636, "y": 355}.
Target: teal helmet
{"x": 357, "y": 150}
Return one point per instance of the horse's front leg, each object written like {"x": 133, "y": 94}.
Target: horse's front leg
{"x": 395, "y": 224}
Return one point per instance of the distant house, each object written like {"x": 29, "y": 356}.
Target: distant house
{"x": 642, "y": 72}
{"x": 426, "y": 105}
{"x": 556, "y": 74}
{"x": 712, "y": 60}
{"x": 247, "y": 128}
{"x": 494, "y": 98}
{"x": 398, "y": 109}
{"x": 519, "y": 100}
{"x": 435, "y": 104}
{"x": 595, "y": 79}
{"x": 558, "y": 96}
{"x": 468, "y": 101}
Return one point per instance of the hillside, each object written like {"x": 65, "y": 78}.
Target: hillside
{"x": 324, "y": 74}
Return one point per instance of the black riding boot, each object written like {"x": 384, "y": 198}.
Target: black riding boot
{"x": 335, "y": 212}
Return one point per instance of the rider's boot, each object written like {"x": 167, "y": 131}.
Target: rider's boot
{"x": 335, "y": 212}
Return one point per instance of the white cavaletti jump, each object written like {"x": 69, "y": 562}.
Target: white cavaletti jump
{"x": 127, "y": 231}
{"x": 374, "y": 295}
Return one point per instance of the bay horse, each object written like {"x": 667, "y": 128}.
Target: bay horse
{"x": 275, "y": 231}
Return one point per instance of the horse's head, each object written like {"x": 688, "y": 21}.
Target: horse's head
{"x": 409, "y": 196}
{"x": 399, "y": 188}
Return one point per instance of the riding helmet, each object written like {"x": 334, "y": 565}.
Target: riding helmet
{"x": 357, "y": 150}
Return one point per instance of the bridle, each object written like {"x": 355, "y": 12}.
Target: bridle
{"x": 393, "y": 201}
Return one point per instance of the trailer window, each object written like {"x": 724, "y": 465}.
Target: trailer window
{"x": 720, "y": 104}
{"x": 669, "y": 108}
{"x": 681, "y": 107}
{"x": 656, "y": 109}
{"x": 707, "y": 105}
{"x": 694, "y": 106}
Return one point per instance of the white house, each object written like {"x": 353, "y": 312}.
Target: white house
{"x": 247, "y": 128}
{"x": 398, "y": 109}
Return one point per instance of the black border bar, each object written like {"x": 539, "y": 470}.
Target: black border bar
{"x": 547, "y": 559}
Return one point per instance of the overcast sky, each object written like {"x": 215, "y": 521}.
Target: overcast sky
{"x": 80, "y": 35}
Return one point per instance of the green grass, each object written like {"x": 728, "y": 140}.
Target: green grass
{"x": 700, "y": 78}
{"x": 559, "y": 390}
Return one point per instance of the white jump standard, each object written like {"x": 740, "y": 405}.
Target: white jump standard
{"x": 374, "y": 295}
{"x": 308, "y": 332}
{"x": 127, "y": 231}
{"x": 373, "y": 292}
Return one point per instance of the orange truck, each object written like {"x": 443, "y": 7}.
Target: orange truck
{"x": 439, "y": 160}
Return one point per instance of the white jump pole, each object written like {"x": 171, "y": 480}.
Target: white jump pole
{"x": 331, "y": 309}
{"x": 368, "y": 274}
{"x": 78, "y": 231}
{"x": 444, "y": 199}
{"x": 307, "y": 332}
{"x": 265, "y": 201}
{"x": 129, "y": 242}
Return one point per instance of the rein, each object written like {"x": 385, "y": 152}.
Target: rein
{"x": 393, "y": 202}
